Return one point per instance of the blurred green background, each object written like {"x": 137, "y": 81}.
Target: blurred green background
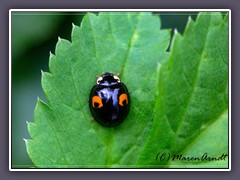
{"x": 33, "y": 36}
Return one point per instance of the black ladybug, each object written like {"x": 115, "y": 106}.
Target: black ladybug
{"x": 109, "y": 100}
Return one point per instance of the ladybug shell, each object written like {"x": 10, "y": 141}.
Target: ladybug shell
{"x": 109, "y": 101}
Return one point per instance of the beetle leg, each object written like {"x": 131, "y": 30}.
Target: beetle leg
{"x": 92, "y": 120}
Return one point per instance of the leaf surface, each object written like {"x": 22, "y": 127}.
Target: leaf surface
{"x": 63, "y": 135}
{"x": 191, "y": 109}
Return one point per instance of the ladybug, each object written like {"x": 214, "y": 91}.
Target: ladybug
{"x": 109, "y": 100}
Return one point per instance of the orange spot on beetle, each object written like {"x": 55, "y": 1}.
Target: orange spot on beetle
{"x": 123, "y": 99}
{"x": 97, "y": 102}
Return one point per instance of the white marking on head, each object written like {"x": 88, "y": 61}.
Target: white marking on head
{"x": 117, "y": 78}
{"x": 99, "y": 79}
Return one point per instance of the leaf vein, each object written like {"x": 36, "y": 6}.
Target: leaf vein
{"x": 194, "y": 86}
{"x": 130, "y": 45}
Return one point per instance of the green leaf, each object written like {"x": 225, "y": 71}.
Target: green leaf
{"x": 63, "y": 134}
{"x": 191, "y": 109}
